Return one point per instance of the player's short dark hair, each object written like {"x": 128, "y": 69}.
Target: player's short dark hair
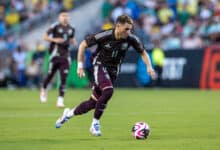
{"x": 124, "y": 19}
{"x": 63, "y": 11}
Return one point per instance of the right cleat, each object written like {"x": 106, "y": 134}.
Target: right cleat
{"x": 95, "y": 129}
{"x": 63, "y": 118}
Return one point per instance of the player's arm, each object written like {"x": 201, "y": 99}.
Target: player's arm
{"x": 89, "y": 41}
{"x": 72, "y": 38}
{"x": 49, "y": 38}
{"x": 73, "y": 41}
{"x": 80, "y": 58}
{"x": 145, "y": 57}
{"x": 136, "y": 43}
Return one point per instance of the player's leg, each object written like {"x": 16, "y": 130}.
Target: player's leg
{"x": 64, "y": 70}
{"x": 103, "y": 80}
{"x": 102, "y": 102}
{"x": 51, "y": 71}
{"x": 99, "y": 109}
{"x": 90, "y": 104}
{"x": 82, "y": 108}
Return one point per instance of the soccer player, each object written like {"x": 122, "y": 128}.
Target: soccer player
{"x": 60, "y": 35}
{"x": 112, "y": 46}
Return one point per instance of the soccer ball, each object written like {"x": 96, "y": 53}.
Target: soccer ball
{"x": 140, "y": 130}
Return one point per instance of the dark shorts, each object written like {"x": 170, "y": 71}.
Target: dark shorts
{"x": 104, "y": 78}
{"x": 59, "y": 63}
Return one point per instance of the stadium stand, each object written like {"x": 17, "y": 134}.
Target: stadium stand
{"x": 176, "y": 24}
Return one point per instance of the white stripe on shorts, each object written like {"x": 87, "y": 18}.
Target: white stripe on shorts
{"x": 96, "y": 68}
{"x": 50, "y": 67}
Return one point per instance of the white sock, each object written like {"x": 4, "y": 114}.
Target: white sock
{"x": 60, "y": 98}
{"x": 95, "y": 121}
{"x": 70, "y": 113}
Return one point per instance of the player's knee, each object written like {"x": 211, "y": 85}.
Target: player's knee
{"x": 108, "y": 92}
{"x": 92, "y": 103}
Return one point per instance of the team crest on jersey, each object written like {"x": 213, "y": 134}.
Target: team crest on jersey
{"x": 124, "y": 46}
{"x": 107, "y": 45}
{"x": 70, "y": 31}
{"x": 60, "y": 30}
{"x": 66, "y": 71}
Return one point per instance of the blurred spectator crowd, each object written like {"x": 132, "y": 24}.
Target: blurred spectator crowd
{"x": 173, "y": 24}
{"x": 14, "y": 12}
{"x": 19, "y": 64}
{"x": 22, "y": 66}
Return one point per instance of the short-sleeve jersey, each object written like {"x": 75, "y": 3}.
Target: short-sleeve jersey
{"x": 57, "y": 30}
{"x": 111, "y": 52}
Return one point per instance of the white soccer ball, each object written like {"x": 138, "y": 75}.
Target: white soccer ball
{"x": 140, "y": 130}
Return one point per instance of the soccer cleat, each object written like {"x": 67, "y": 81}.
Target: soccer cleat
{"x": 95, "y": 129}
{"x": 60, "y": 103}
{"x": 63, "y": 118}
{"x": 43, "y": 95}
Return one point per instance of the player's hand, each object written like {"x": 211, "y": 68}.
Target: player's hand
{"x": 81, "y": 72}
{"x": 58, "y": 40}
{"x": 151, "y": 72}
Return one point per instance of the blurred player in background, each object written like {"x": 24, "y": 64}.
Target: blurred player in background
{"x": 112, "y": 46}
{"x": 60, "y": 35}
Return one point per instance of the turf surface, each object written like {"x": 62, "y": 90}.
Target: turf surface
{"x": 179, "y": 120}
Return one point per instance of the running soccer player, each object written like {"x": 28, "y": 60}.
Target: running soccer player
{"x": 60, "y": 35}
{"x": 112, "y": 46}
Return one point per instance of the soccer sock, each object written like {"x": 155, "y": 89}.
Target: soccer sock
{"x": 47, "y": 79}
{"x": 95, "y": 121}
{"x": 61, "y": 90}
{"x": 84, "y": 107}
{"x": 70, "y": 113}
{"x": 60, "y": 99}
{"x": 102, "y": 102}
{"x": 62, "y": 85}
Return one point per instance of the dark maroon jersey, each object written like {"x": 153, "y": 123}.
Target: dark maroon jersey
{"x": 57, "y": 30}
{"x": 111, "y": 52}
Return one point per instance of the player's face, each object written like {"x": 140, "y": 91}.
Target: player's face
{"x": 124, "y": 30}
{"x": 64, "y": 17}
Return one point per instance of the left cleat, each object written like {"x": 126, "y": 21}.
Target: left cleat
{"x": 63, "y": 118}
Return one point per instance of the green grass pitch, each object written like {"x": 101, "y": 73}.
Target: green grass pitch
{"x": 179, "y": 120}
